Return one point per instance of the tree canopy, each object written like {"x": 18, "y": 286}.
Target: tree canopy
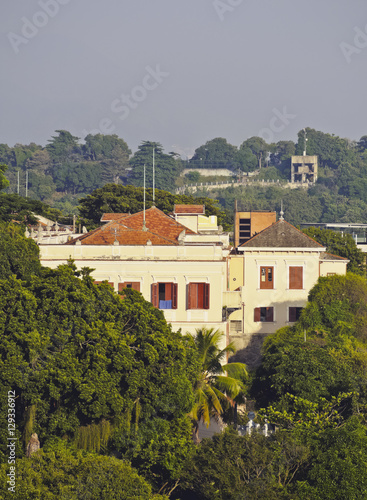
{"x": 95, "y": 369}
{"x": 114, "y": 198}
{"x": 166, "y": 166}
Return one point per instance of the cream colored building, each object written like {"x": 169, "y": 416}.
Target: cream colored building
{"x": 274, "y": 271}
{"x": 180, "y": 270}
{"x": 185, "y": 266}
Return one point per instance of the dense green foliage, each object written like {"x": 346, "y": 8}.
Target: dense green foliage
{"x": 166, "y": 167}
{"x": 219, "y": 383}
{"x": 114, "y": 198}
{"x": 323, "y": 354}
{"x": 19, "y": 255}
{"x": 66, "y": 169}
{"x": 342, "y": 245}
{"x": 60, "y": 473}
{"x": 97, "y": 370}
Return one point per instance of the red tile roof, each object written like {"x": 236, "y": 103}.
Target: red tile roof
{"x": 157, "y": 222}
{"x": 189, "y": 209}
{"x": 128, "y": 230}
{"x": 109, "y": 217}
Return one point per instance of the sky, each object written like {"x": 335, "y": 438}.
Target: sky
{"x": 182, "y": 72}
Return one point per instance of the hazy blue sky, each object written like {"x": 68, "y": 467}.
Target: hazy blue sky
{"x": 182, "y": 72}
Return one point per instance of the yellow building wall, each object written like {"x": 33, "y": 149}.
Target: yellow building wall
{"x": 235, "y": 275}
{"x": 328, "y": 268}
{"x": 150, "y": 268}
{"x": 280, "y": 297}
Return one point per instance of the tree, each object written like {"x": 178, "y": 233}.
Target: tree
{"x": 40, "y": 161}
{"x": 245, "y": 160}
{"x": 218, "y": 384}
{"x": 58, "y": 472}
{"x": 231, "y": 467}
{"x": 338, "y": 465}
{"x": 331, "y": 150}
{"x": 167, "y": 168}
{"x": 114, "y": 198}
{"x": 319, "y": 367}
{"x": 362, "y": 144}
{"x": 18, "y": 255}
{"x": 95, "y": 369}
{"x": 3, "y": 181}
{"x": 217, "y": 153}
{"x": 338, "y": 303}
{"x": 111, "y": 152}
{"x": 340, "y": 244}
{"x": 18, "y": 209}
{"x": 258, "y": 147}
{"x": 64, "y": 147}
{"x": 281, "y": 156}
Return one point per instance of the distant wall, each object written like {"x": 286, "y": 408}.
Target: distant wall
{"x": 208, "y": 171}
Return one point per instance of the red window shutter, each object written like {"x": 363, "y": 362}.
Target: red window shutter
{"x": 200, "y": 295}
{"x": 136, "y": 286}
{"x": 168, "y": 291}
{"x": 296, "y": 278}
{"x": 266, "y": 278}
{"x": 190, "y": 296}
{"x": 174, "y": 296}
{"x": 269, "y": 314}
{"x": 155, "y": 294}
{"x": 206, "y": 295}
{"x": 257, "y": 314}
{"x": 292, "y": 314}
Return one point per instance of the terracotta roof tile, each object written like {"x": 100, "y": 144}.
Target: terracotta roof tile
{"x": 108, "y": 217}
{"x": 115, "y": 231}
{"x": 157, "y": 222}
{"x": 128, "y": 230}
{"x": 281, "y": 234}
{"x": 189, "y": 209}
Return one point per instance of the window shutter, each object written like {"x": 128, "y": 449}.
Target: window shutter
{"x": 174, "y": 295}
{"x": 190, "y": 287}
{"x": 136, "y": 286}
{"x": 257, "y": 314}
{"x": 269, "y": 314}
{"x": 292, "y": 314}
{"x": 206, "y": 295}
{"x": 296, "y": 278}
{"x": 155, "y": 294}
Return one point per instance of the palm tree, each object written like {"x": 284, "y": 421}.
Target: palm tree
{"x": 218, "y": 384}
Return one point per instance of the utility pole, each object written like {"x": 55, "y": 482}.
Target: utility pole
{"x": 153, "y": 180}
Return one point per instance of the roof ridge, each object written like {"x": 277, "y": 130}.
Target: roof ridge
{"x": 259, "y": 236}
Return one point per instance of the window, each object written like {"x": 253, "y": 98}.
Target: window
{"x": 296, "y": 278}
{"x": 235, "y": 326}
{"x": 134, "y": 285}
{"x": 294, "y": 314}
{"x": 264, "y": 314}
{"x": 164, "y": 295}
{"x": 198, "y": 295}
{"x": 266, "y": 278}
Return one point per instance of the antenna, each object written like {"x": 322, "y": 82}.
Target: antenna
{"x": 153, "y": 180}
{"x": 304, "y": 152}
{"x": 144, "y": 225}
